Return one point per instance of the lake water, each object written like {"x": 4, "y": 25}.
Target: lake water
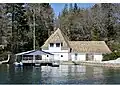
{"x": 64, "y": 74}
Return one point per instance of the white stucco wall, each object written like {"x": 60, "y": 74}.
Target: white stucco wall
{"x": 57, "y": 56}
{"x": 66, "y": 56}
{"x": 80, "y": 57}
{"x": 50, "y": 57}
{"x": 98, "y": 57}
{"x": 54, "y": 48}
{"x": 58, "y": 53}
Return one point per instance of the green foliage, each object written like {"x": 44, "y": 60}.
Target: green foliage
{"x": 3, "y": 54}
{"x": 96, "y": 23}
{"x": 100, "y": 22}
{"x": 16, "y": 25}
{"x": 75, "y": 7}
{"x": 111, "y": 56}
{"x": 73, "y": 24}
{"x": 44, "y": 22}
{"x": 95, "y": 35}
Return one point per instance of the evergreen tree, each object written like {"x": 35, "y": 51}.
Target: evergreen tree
{"x": 75, "y": 7}
{"x": 19, "y": 26}
{"x": 70, "y": 7}
{"x": 65, "y": 10}
{"x": 44, "y": 22}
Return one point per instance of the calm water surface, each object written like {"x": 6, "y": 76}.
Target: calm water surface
{"x": 65, "y": 74}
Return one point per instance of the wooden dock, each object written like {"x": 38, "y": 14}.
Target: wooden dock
{"x": 101, "y": 64}
{"x": 41, "y": 63}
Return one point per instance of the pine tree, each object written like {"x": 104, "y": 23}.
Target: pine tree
{"x": 44, "y": 22}
{"x": 75, "y": 7}
{"x": 70, "y": 7}
{"x": 19, "y": 26}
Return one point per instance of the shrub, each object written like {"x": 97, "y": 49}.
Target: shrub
{"x": 111, "y": 56}
{"x": 3, "y": 56}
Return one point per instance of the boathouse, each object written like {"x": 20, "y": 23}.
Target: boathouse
{"x": 34, "y": 56}
{"x": 65, "y": 50}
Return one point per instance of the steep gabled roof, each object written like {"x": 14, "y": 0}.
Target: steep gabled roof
{"x": 57, "y": 36}
{"x": 89, "y": 46}
{"x": 76, "y": 46}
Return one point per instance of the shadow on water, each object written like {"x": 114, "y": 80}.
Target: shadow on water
{"x": 64, "y": 74}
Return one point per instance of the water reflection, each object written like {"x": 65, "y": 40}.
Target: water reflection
{"x": 65, "y": 74}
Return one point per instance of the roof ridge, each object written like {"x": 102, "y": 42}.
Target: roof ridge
{"x": 65, "y": 38}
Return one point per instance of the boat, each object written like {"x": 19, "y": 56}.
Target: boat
{"x": 18, "y": 64}
{"x": 37, "y": 64}
{"x": 55, "y": 64}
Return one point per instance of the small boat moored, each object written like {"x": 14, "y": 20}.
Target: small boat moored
{"x": 55, "y": 64}
{"x": 18, "y": 64}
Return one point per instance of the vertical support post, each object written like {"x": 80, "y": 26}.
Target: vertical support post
{"x": 16, "y": 58}
{"x": 22, "y": 58}
{"x": 33, "y": 58}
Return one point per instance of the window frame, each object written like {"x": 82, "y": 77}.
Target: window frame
{"x": 57, "y": 44}
{"x": 51, "y": 44}
{"x": 38, "y": 57}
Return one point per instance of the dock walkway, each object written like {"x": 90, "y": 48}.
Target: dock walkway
{"x": 92, "y": 63}
{"x": 102, "y": 64}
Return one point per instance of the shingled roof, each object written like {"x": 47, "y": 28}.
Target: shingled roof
{"x": 89, "y": 46}
{"x": 57, "y": 36}
{"x": 76, "y": 46}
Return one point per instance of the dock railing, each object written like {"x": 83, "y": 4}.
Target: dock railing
{"x": 41, "y": 61}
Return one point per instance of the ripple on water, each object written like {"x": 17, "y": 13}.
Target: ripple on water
{"x": 65, "y": 74}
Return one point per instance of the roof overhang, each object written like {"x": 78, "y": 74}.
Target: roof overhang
{"x": 34, "y": 52}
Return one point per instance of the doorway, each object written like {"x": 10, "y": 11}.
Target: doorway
{"x": 89, "y": 57}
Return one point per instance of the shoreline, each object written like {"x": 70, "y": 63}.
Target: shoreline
{"x": 91, "y": 63}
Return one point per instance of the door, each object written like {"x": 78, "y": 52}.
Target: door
{"x": 89, "y": 57}
{"x": 74, "y": 57}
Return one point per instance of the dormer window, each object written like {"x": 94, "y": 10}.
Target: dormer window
{"x": 57, "y": 44}
{"x": 51, "y": 44}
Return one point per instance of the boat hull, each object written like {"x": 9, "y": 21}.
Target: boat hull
{"x": 18, "y": 64}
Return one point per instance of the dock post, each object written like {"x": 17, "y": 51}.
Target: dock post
{"x": 33, "y": 58}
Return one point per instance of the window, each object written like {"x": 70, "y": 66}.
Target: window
{"x": 61, "y": 55}
{"x": 30, "y": 58}
{"x": 25, "y": 58}
{"x": 57, "y": 44}
{"x": 47, "y": 55}
{"x": 61, "y": 44}
{"x": 51, "y": 44}
{"x": 76, "y": 56}
{"x": 38, "y": 57}
{"x": 89, "y": 57}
